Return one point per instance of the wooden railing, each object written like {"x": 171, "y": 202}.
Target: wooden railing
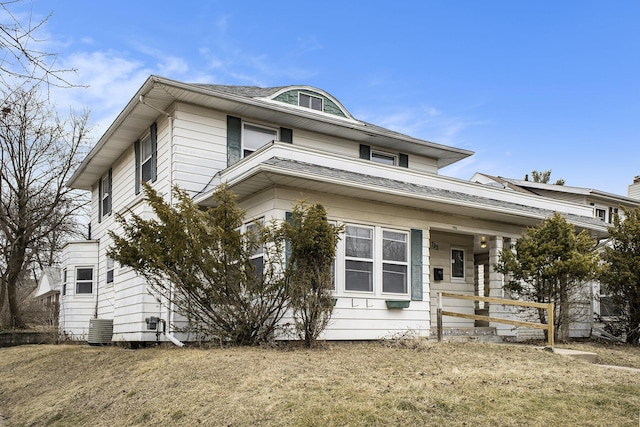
{"x": 502, "y": 301}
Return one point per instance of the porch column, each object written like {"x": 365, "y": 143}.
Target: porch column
{"x": 496, "y": 287}
{"x": 496, "y": 280}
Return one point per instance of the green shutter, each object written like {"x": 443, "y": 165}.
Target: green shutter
{"x": 416, "y": 265}
{"x": 286, "y": 135}
{"x": 154, "y": 152}
{"x": 403, "y": 160}
{"x": 136, "y": 146}
{"x": 234, "y": 140}
{"x": 365, "y": 152}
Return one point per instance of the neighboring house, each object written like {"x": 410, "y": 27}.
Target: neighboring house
{"x": 274, "y": 146}
{"x": 47, "y": 293}
{"x": 604, "y": 207}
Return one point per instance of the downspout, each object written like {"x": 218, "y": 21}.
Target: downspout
{"x": 97, "y": 280}
{"x": 169, "y": 336}
{"x": 170, "y": 120}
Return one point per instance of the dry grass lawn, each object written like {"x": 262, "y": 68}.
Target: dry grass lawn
{"x": 364, "y": 384}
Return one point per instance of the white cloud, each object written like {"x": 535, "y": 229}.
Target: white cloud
{"x": 425, "y": 122}
{"x": 106, "y": 81}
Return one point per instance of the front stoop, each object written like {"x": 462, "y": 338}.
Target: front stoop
{"x": 477, "y": 334}
{"x": 587, "y": 356}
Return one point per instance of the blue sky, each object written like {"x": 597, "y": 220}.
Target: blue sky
{"x": 527, "y": 85}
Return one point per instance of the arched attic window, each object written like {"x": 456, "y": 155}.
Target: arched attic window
{"x": 311, "y": 98}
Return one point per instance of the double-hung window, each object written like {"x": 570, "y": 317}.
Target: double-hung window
{"x": 146, "y": 158}
{"x": 359, "y": 258}
{"x": 254, "y": 137}
{"x": 64, "y": 282}
{"x": 105, "y": 195}
{"x": 146, "y": 152}
{"x": 394, "y": 261}
{"x": 84, "y": 280}
{"x": 110, "y": 270}
{"x": 257, "y": 255}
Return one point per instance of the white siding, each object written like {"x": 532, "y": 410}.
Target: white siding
{"x": 364, "y": 315}
{"x": 344, "y": 147}
{"x": 199, "y": 146}
{"x": 442, "y": 243}
{"x": 77, "y": 309}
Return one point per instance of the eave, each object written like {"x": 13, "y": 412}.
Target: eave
{"x": 161, "y": 93}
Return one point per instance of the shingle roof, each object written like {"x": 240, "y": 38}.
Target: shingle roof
{"x": 245, "y": 91}
{"x": 421, "y": 190}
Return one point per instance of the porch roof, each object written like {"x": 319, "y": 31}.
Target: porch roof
{"x": 441, "y": 194}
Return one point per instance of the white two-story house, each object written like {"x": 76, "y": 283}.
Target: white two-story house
{"x": 275, "y": 146}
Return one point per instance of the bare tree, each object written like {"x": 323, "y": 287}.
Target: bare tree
{"x": 39, "y": 152}
{"x": 21, "y": 60}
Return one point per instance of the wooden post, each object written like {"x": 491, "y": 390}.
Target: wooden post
{"x": 439, "y": 317}
{"x": 550, "y": 316}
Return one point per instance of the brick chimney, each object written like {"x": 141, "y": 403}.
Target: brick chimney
{"x": 634, "y": 189}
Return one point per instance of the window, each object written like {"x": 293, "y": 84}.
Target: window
{"x": 146, "y": 152}
{"x": 359, "y": 259}
{"x": 383, "y": 158}
{"x": 64, "y": 282}
{"x": 394, "y": 261}
{"x": 612, "y": 213}
{"x": 146, "y": 157}
{"x": 601, "y": 214}
{"x": 105, "y": 195}
{"x": 310, "y": 101}
{"x": 110, "y": 269}
{"x": 457, "y": 263}
{"x": 257, "y": 256}
{"x": 254, "y": 137}
{"x": 84, "y": 280}
{"x": 607, "y": 307}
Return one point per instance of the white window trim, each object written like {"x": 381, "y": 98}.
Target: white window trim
{"x": 384, "y": 154}
{"x": 377, "y": 258}
{"x": 105, "y": 195}
{"x": 372, "y": 260}
{"x": 113, "y": 272}
{"x": 258, "y": 222}
{"x": 269, "y": 128}
{"x": 75, "y": 280}
{"x": 144, "y": 160}
{"x": 65, "y": 278}
{"x": 311, "y": 103}
{"x": 603, "y": 209}
{"x": 464, "y": 265}
{"x": 405, "y": 263}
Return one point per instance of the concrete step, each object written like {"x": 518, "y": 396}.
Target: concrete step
{"x": 576, "y": 354}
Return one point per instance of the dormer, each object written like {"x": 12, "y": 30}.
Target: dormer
{"x": 310, "y": 98}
